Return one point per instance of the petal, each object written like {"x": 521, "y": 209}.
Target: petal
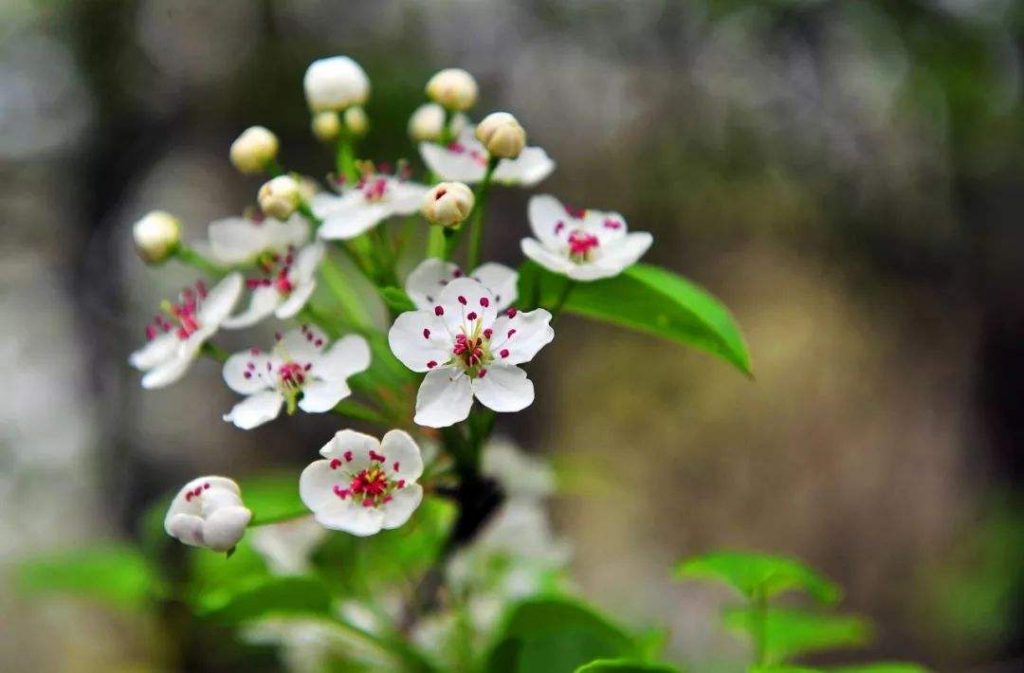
{"x": 256, "y": 410}
{"x": 445, "y": 398}
{"x": 307, "y": 261}
{"x": 316, "y": 484}
{"x": 255, "y": 365}
{"x": 589, "y": 271}
{"x": 224, "y": 528}
{"x": 169, "y": 371}
{"x": 502, "y": 281}
{"x": 282, "y": 235}
{"x": 464, "y": 301}
{"x": 522, "y": 336}
{"x": 321, "y": 396}
{"x": 403, "y": 503}
{"x": 156, "y": 351}
{"x": 296, "y": 300}
{"x": 531, "y": 166}
{"x": 346, "y": 357}
{"x": 405, "y": 198}
{"x": 607, "y": 226}
{"x": 449, "y": 165}
{"x": 399, "y": 448}
{"x": 348, "y": 223}
{"x": 419, "y": 338}
{"x": 237, "y": 240}
{"x": 504, "y": 388}
{"x": 187, "y": 528}
{"x": 427, "y": 280}
{"x": 545, "y": 257}
{"x": 262, "y": 303}
{"x": 302, "y": 344}
{"x": 351, "y": 517}
{"x": 221, "y": 299}
{"x": 549, "y": 221}
{"x": 625, "y": 252}
{"x": 359, "y": 444}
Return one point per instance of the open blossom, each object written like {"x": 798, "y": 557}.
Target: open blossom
{"x": 287, "y": 284}
{"x": 363, "y": 485}
{"x": 237, "y": 241}
{"x": 469, "y": 350}
{"x": 301, "y": 371}
{"x": 465, "y": 160}
{"x": 208, "y": 512}
{"x": 581, "y": 244}
{"x": 360, "y": 208}
{"x": 427, "y": 280}
{"x": 176, "y": 336}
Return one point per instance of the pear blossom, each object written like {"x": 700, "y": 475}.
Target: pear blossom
{"x": 301, "y": 371}
{"x": 286, "y": 547}
{"x": 427, "y": 122}
{"x": 356, "y": 121}
{"x": 363, "y": 485}
{"x": 326, "y": 125}
{"x": 453, "y": 88}
{"x": 335, "y": 83}
{"x": 239, "y": 241}
{"x": 287, "y": 284}
{"x": 176, "y": 336}
{"x": 448, "y": 204}
{"x": 465, "y": 160}
{"x": 280, "y": 197}
{"x": 581, "y": 244}
{"x": 428, "y": 279}
{"x": 502, "y": 135}
{"x": 254, "y": 149}
{"x": 208, "y": 512}
{"x": 156, "y": 236}
{"x": 469, "y": 350}
{"x": 358, "y": 209}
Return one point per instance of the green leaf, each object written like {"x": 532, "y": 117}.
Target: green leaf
{"x": 275, "y": 596}
{"x": 754, "y": 574}
{"x": 648, "y": 299}
{"x": 272, "y": 496}
{"x": 396, "y": 299}
{"x": 555, "y": 635}
{"x": 625, "y": 666}
{"x": 881, "y": 667}
{"x": 115, "y": 574}
{"x": 782, "y": 668}
{"x": 788, "y": 633}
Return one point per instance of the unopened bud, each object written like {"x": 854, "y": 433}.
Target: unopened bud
{"x": 453, "y": 88}
{"x": 427, "y": 123}
{"x": 157, "y": 236}
{"x": 254, "y": 149}
{"x": 279, "y": 197}
{"x": 356, "y": 121}
{"x": 335, "y": 83}
{"x": 448, "y": 204}
{"x": 326, "y": 125}
{"x": 502, "y": 135}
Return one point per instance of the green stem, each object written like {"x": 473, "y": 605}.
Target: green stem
{"x": 274, "y": 169}
{"x": 349, "y": 300}
{"x": 345, "y": 160}
{"x": 267, "y": 521}
{"x": 758, "y": 609}
{"x": 436, "y": 242}
{"x": 476, "y": 225}
{"x": 191, "y": 257}
{"x": 214, "y": 352}
{"x": 360, "y": 412}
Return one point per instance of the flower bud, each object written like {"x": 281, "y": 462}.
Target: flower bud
{"x": 326, "y": 125}
{"x": 279, "y": 197}
{"x": 427, "y": 123}
{"x": 356, "y": 121}
{"x": 502, "y": 135}
{"x": 453, "y": 88}
{"x": 448, "y": 204}
{"x": 157, "y": 236}
{"x": 335, "y": 83}
{"x": 254, "y": 149}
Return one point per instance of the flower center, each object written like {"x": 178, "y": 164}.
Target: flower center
{"x": 181, "y": 318}
{"x": 473, "y": 153}
{"x": 582, "y": 245}
{"x": 374, "y": 189}
{"x": 373, "y": 486}
{"x": 277, "y": 272}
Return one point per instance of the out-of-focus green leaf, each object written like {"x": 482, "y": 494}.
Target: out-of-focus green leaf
{"x": 115, "y": 574}
{"x": 754, "y": 574}
{"x": 556, "y": 635}
{"x": 782, "y": 668}
{"x": 217, "y": 579}
{"x": 881, "y": 667}
{"x": 625, "y": 666}
{"x": 397, "y": 300}
{"x": 275, "y": 596}
{"x": 648, "y": 299}
{"x": 272, "y": 496}
{"x": 788, "y": 633}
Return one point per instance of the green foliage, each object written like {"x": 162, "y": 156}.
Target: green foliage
{"x": 397, "y": 300}
{"x": 625, "y": 666}
{"x": 759, "y": 575}
{"x": 790, "y": 633}
{"x": 556, "y": 635}
{"x": 648, "y": 299}
{"x": 275, "y": 596}
{"x": 272, "y": 497}
{"x": 782, "y": 668}
{"x": 115, "y": 574}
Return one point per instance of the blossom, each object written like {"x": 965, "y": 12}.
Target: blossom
{"x": 356, "y": 121}
{"x": 254, "y": 149}
{"x": 469, "y": 350}
{"x": 326, "y": 125}
{"x": 363, "y": 485}
{"x": 287, "y": 284}
{"x": 208, "y": 512}
{"x": 335, "y": 83}
{"x": 465, "y": 160}
{"x": 287, "y": 546}
{"x": 358, "y": 209}
{"x": 581, "y": 244}
{"x": 428, "y": 279}
{"x": 520, "y": 474}
{"x": 156, "y": 236}
{"x": 301, "y": 371}
{"x": 237, "y": 241}
{"x": 176, "y": 336}
{"x": 427, "y": 122}
{"x": 447, "y": 204}
{"x": 280, "y": 196}
{"x": 453, "y": 88}
{"x": 502, "y": 135}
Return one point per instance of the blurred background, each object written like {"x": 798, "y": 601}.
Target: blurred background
{"x": 848, "y": 177}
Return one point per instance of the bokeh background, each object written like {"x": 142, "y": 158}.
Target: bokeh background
{"x": 847, "y": 176}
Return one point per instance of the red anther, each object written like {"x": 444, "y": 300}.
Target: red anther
{"x": 471, "y": 315}
{"x": 485, "y": 302}
{"x": 511, "y": 332}
{"x": 426, "y": 333}
{"x": 488, "y": 332}
{"x": 462, "y": 300}
{"x": 559, "y": 226}
{"x": 483, "y": 373}
{"x": 335, "y": 463}
{"x": 457, "y": 273}
{"x": 511, "y": 313}
{"x": 431, "y": 364}
{"x": 348, "y": 456}
{"x": 439, "y": 193}
{"x": 504, "y": 352}
{"x": 206, "y": 485}
{"x": 401, "y": 483}
{"x": 612, "y": 224}
{"x": 376, "y": 456}
{"x": 438, "y": 310}
{"x": 395, "y": 466}
{"x": 150, "y": 332}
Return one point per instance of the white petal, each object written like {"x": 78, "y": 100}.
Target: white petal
{"x": 625, "y": 252}
{"x": 502, "y": 281}
{"x": 504, "y": 388}
{"x": 419, "y": 338}
{"x": 403, "y": 503}
{"x": 170, "y": 370}
{"x": 351, "y": 222}
{"x": 405, "y": 198}
{"x": 256, "y": 410}
{"x": 351, "y": 517}
{"x": 464, "y": 301}
{"x": 159, "y": 349}
{"x": 316, "y": 483}
{"x": 262, "y": 303}
{"x": 296, "y": 300}
{"x": 607, "y": 226}
{"x": 321, "y": 396}
{"x": 224, "y": 528}
{"x": 589, "y": 271}
{"x": 306, "y": 262}
{"x": 531, "y": 166}
{"x": 449, "y": 165}
{"x": 521, "y": 336}
{"x": 221, "y": 299}
{"x": 183, "y": 503}
{"x": 237, "y": 240}
{"x": 255, "y": 365}
{"x": 282, "y": 235}
{"x": 427, "y": 280}
{"x": 186, "y": 527}
{"x": 348, "y": 356}
{"x": 549, "y": 221}
{"x": 302, "y": 344}
{"x": 359, "y": 443}
{"x": 445, "y": 398}
{"x": 545, "y": 257}
{"x": 324, "y": 204}
{"x": 399, "y": 448}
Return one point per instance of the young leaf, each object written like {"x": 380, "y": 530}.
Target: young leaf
{"x": 648, "y": 299}
{"x": 625, "y": 666}
{"x": 789, "y": 633}
{"x": 754, "y": 574}
{"x": 396, "y": 299}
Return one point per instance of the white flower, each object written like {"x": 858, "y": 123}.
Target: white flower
{"x": 254, "y": 149}
{"x": 237, "y": 241}
{"x": 287, "y": 546}
{"x": 453, "y": 88}
{"x": 280, "y": 196}
{"x": 426, "y": 281}
{"x": 208, "y": 512}
{"x": 581, "y": 244}
{"x": 360, "y": 208}
{"x": 448, "y": 204}
{"x": 468, "y": 350}
{"x": 335, "y": 83}
{"x": 427, "y": 122}
{"x": 502, "y": 135}
{"x": 364, "y": 485}
{"x": 287, "y": 284}
{"x": 356, "y": 121}
{"x": 465, "y": 160}
{"x": 176, "y": 337}
{"x": 326, "y": 125}
{"x": 156, "y": 236}
{"x": 300, "y": 371}
{"x": 520, "y": 474}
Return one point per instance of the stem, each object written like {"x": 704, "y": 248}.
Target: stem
{"x": 191, "y": 257}
{"x": 345, "y": 160}
{"x": 476, "y": 227}
{"x": 360, "y": 412}
{"x": 567, "y": 289}
{"x": 436, "y": 242}
{"x": 758, "y": 608}
{"x": 343, "y": 292}
{"x": 274, "y": 169}
{"x": 214, "y": 352}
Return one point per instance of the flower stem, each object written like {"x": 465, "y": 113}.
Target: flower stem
{"x": 191, "y": 257}
{"x": 214, "y": 352}
{"x": 279, "y": 518}
{"x": 349, "y": 300}
{"x": 345, "y": 160}
{"x": 758, "y": 610}
{"x": 476, "y": 225}
{"x": 436, "y": 242}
